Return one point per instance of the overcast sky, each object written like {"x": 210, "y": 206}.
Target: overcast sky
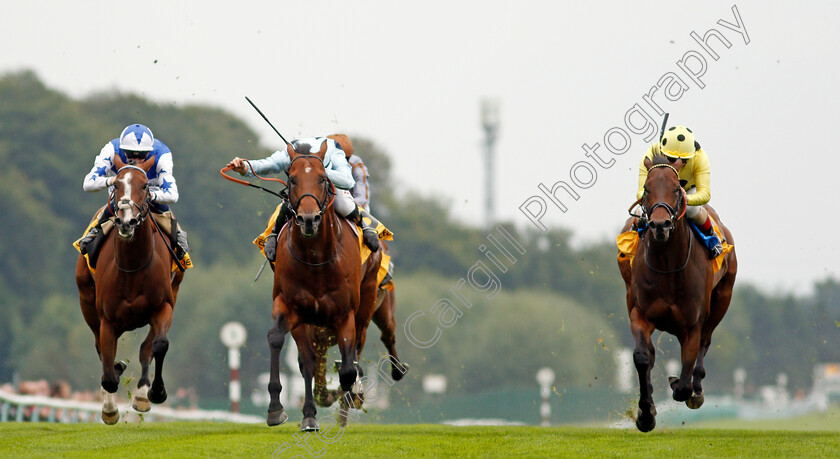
{"x": 410, "y": 76}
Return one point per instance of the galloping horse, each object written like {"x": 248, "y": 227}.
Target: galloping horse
{"x": 132, "y": 287}
{"x": 672, "y": 287}
{"x": 318, "y": 280}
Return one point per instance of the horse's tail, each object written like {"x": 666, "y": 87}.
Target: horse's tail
{"x": 321, "y": 346}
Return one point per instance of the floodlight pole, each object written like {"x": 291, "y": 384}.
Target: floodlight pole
{"x": 490, "y": 123}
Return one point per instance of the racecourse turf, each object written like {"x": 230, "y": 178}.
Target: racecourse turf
{"x": 188, "y": 439}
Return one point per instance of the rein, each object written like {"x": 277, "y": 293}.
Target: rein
{"x": 671, "y": 271}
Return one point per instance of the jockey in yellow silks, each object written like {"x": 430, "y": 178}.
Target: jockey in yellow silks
{"x": 678, "y": 144}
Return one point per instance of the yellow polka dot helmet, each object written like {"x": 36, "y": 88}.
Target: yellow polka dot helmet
{"x": 678, "y": 142}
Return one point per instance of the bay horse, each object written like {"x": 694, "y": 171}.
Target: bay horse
{"x": 131, "y": 288}
{"x": 672, "y": 287}
{"x": 318, "y": 280}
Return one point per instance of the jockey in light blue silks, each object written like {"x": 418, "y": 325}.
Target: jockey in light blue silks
{"x": 339, "y": 173}
{"x": 135, "y": 145}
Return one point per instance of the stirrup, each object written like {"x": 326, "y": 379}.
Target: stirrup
{"x": 89, "y": 237}
{"x": 270, "y": 247}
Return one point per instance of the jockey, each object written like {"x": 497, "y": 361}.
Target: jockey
{"x": 136, "y": 144}
{"x": 684, "y": 152}
{"x": 339, "y": 173}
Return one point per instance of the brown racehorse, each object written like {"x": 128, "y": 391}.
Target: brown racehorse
{"x": 671, "y": 287}
{"x": 318, "y": 280}
{"x": 132, "y": 287}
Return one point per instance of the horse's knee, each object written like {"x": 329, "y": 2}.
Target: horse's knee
{"x": 276, "y": 338}
{"x": 160, "y": 346}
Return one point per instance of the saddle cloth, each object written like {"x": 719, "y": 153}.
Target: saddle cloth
{"x": 628, "y": 242}
{"x": 163, "y": 220}
{"x": 384, "y": 234}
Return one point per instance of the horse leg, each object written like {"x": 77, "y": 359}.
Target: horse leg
{"x": 140, "y": 401}
{"x": 721, "y": 296}
{"x": 306, "y": 362}
{"x": 384, "y": 320}
{"x": 87, "y": 300}
{"x": 643, "y": 357}
{"x": 160, "y": 344}
{"x": 346, "y": 335}
{"x": 283, "y": 322}
{"x": 689, "y": 351}
{"x": 110, "y": 372}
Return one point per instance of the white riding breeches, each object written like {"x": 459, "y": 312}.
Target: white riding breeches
{"x": 344, "y": 203}
{"x": 697, "y": 214}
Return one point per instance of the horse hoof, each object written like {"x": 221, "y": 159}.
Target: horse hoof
{"x": 309, "y": 425}
{"x": 111, "y": 418}
{"x": 645, "y": 422}
{"x": 397, "y": 374}
{"x": 157, "y": 396}
{"x": 275, "y": 418}
{"x": 696, "y": 401}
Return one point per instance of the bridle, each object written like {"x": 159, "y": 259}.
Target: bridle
{"x": 141, "y": 217}
{"x": 674, "y": 216}
{"x": 329, "y": 197}
{"x": 329, "y": 191}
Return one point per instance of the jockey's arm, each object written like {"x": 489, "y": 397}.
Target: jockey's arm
{"x": 643, "y": 173}
{"x": 279, "y": 161}
{"x": 166, "y": 190}
{"x": 98, "y": 177}
{"x": 361, "y": 191}
{"x": 339, "y": 171}
{"x": 702, "y": 179}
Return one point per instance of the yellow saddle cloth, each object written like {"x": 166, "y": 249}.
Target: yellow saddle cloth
{"x": 106, "y": 228}
{"x": 384, "y": 234}
{"x": 628, "y": 242}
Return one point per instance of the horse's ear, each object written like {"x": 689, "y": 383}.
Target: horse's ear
{"x": 678, "y": 164}
{"x": 147, "y": 164}
{"x": 118, "y": 162}
{"x": 322, "y": 153}
{"x": 648, "y": 163}
{"x": 291, "y": 151}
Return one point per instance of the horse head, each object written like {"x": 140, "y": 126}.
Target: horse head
{"x": 664, "y": 198}
{"x": 310, "y": 190}
{"x": 131, "y": 196}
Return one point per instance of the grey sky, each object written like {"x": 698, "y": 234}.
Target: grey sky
{"x": 410, "y": 77}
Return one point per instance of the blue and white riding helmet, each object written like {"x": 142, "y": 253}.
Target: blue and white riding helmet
{"x": 137, "y": 138}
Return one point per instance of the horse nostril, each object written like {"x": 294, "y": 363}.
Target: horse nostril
{"x": 298, "y": 219}
{"x": 118, "y": 221}
{"x": 316, "y": 219}
{"x": 133, "y": 222}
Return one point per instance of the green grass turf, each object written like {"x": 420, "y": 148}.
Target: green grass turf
{"x": 395, "y": 441}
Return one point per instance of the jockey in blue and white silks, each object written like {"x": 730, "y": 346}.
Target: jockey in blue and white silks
{"x": 135, "y": 145}
{"x": 339, "y": 173}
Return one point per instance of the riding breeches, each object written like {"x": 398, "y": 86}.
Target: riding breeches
{"x": 697, "y": 214}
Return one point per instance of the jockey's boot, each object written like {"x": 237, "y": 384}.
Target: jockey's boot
{"x": 714, "y": 244}
{"x": 178, "y": 239}
{"x": 365, "y": 220}
{"x": 271, "y": 240}
{"x": 94, "y": 234}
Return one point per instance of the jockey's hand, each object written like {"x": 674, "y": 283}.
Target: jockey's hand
{"x": 238, "y": 165}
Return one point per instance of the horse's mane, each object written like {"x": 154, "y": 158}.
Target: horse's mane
{"x": 302, "y": 148}
{"x": 658, "y": 157}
